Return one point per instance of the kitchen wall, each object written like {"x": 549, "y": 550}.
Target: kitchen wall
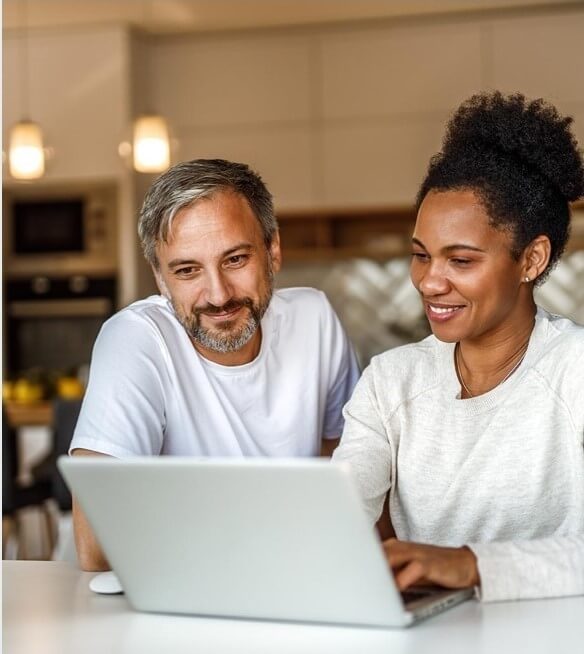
{"x": 348, "y": 116}
{"x": 77, "y": 90}
{"x": 331, "y": 116}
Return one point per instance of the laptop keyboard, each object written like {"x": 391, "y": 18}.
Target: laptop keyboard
{"x": 416, "y": 594}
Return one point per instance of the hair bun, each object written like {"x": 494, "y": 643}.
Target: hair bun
{"x": 533, "y": 133}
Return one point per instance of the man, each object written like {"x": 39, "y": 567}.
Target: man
{"x": 219, "y": 364}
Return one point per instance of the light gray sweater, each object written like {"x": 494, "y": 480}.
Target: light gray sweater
{"x": 502, "y": 473}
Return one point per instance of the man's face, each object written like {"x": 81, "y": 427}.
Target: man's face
{"x": 218, "y": 274}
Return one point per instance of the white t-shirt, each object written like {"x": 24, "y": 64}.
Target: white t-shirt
{"x": 150, "y": 392}
{"x": 502, "y": 472}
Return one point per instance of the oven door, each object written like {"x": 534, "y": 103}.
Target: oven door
{"x": 53, "y": 335}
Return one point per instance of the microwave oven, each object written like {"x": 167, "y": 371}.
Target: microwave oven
{"x": 53, "y": 230}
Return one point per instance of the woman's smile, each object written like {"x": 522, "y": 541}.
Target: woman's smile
{"x": 441, "y": 312}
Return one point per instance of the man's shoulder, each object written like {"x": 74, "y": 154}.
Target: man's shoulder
{"x": 302, "y": 305}
{"x": 142, "y": 319}
{"x": 300, "y": 296}
{"x": 154, "y": 307}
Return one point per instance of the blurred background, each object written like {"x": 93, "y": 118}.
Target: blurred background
{"x": 338, "y": 104}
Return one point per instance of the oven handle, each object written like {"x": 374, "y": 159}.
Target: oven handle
{"x": 84, "y": 308}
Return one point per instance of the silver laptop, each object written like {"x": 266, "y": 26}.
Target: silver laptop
{"x": 276, "y": 539}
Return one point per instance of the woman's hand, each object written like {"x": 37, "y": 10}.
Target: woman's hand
{"x": 413, "y": 563}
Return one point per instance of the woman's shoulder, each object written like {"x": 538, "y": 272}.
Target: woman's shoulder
{"x": 561, "y": 325}
{"x": 560, "y": 356}
{"x": 560, "y": 334}
{"x": 412, "y": 368}
{"x": 404, "y": 373}
{"x": 426, "y": 353}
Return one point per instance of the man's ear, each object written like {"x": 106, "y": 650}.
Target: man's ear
{"x": 275, "y": 252}
{"x": 536, "y": 257}
{"x": 162, "y": 288}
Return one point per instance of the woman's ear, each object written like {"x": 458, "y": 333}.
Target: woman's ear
{"x": 536, "y": 257}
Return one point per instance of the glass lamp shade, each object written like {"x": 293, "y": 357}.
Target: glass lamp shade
{"x": 151, "y": 145}
{"x": 26, "y": 154}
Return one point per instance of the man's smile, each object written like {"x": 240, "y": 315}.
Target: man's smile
{"x": 223, "y": 316}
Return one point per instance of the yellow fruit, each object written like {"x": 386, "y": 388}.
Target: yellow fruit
{"x": 27, "y": 392}
{"x": 69, "y": 388}
{"x": 7, "y": 391}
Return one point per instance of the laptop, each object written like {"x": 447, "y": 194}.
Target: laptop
{"x": 273, "y": 539}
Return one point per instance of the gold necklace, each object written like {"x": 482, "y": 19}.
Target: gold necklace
{"x": 505, "y": 378}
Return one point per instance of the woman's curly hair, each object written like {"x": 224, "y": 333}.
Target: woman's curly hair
{"x": 522, "y": 161}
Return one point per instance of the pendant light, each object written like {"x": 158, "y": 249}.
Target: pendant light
{"x": 26, "y": 155}
{"x": 150, "y": 138}
{"x": 151, "y": 146}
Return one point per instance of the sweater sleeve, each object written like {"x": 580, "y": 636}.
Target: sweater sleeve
{"x": 545, "y": 567}
{"x": 365, "y": 447}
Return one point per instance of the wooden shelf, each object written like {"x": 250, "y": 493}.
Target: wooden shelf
{"x": 338, "y": 234}
{"x": 375, "y": 233}
{"x": 20, "y": 414}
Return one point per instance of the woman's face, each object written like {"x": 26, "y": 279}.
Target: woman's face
{"x": 463, "y": 269}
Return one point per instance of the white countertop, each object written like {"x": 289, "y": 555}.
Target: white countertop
{"x": 49, "y": 609}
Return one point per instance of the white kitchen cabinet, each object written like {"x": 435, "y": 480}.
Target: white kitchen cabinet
{"x": 77, "y": 91}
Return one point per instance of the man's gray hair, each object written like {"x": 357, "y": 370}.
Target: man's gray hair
{"x": 191, "y": 181}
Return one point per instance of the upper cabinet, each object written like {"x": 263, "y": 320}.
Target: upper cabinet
{"x": 77, "y": 88}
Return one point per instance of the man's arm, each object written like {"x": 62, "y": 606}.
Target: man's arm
{"x": 89, "y": 553}
{"x": 328, "y": 446}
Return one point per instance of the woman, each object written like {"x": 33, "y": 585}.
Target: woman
{"x": 477, "y": 432}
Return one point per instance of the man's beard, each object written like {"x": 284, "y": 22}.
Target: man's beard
{"x": 222, "y": 339}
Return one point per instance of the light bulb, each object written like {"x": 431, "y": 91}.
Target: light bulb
{"x": 151, "y": 144}
{"x": 26, "y": 154}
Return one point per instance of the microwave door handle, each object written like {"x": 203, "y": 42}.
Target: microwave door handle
{"x": 79, "y": 308}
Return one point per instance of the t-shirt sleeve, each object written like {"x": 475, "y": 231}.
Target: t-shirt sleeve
{"x": 365, "y": 447}
{"x": 345, "y": 377}
{"x": 531, "y": 569}
{"x": 123, "y": 409}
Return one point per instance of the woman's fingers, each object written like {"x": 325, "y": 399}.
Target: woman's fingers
{"x": 409, "y": 575}
{"x": 411, "y": 563}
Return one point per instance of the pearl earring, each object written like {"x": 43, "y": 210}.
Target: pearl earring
{"x": 527, "y": 280}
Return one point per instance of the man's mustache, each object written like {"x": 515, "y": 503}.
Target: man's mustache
{"x": 229, "y": 306}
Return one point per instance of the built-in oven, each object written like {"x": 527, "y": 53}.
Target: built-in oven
{"x": 60, "y": 272}
{"x": 51, "y": 322}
